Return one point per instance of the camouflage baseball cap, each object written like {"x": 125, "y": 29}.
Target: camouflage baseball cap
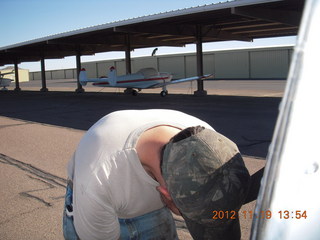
{"x": 205, "y": 174}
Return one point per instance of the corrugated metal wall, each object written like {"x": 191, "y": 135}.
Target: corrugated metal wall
{"x": 269, "y": 64}
{"x": 232, "y": 65}
{"x": 260, "y": 63}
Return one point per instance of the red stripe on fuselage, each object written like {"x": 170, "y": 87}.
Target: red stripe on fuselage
{"x": 132, "y": 81}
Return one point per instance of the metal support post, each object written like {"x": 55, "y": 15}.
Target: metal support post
{"x": 200, "y": 91}
{"x": 16, "y": 73}
{"x": 78, "y": 60}
{"x": 43, "y": 76}
{"x": 128, "y": 55}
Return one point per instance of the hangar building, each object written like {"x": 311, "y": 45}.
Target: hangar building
{"x": 252, "y": 64}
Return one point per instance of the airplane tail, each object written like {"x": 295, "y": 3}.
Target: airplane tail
{"x": 83, "y": 77}
{"x": 112, "y": 76}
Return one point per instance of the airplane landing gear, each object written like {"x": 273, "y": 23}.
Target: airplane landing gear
{"x": 134, "y": 93}
{"x": 164, "y": 93}
{"x": 4, "y": 89}
{"x": 131, "y": 91}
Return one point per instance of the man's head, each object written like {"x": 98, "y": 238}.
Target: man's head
{"x": 204, "y": 172}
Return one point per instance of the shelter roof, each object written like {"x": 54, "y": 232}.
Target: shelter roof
{"x": 242, "y": 20}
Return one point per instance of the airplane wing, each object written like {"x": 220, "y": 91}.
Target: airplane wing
{"x": 182, "y": 80}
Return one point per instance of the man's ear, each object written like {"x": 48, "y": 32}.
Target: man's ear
{"x": 164, "y": 191}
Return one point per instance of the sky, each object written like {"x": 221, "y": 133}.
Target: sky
{"x": 24, "y": 20}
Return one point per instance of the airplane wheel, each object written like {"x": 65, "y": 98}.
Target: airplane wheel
{"x": 134, "y": 92}
{"x": 163, "y": 93}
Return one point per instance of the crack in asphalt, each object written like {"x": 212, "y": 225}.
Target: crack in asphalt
{"x": 14, "y": 125}
{"x": 53, "y": 179}
{"x": 50, "y": 180}
{"x": 19, "y": 215}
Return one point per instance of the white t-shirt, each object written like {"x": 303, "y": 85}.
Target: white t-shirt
{"x": 109, "y": 181}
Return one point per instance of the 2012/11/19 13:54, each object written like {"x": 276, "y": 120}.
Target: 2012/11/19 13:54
{"x": 282, "y": 214}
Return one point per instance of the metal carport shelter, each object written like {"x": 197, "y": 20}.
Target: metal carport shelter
{"x": 242, "y": 20}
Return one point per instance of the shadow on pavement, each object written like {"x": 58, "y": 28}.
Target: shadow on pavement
{"x": 249, "y": 121}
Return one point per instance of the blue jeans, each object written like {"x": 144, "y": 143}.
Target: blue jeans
{"x": 156, "y": 225}
{"x": 69, "y": 231}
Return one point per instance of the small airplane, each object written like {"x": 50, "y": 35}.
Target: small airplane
{"x": 143, "y": 79}
{"x": 5, "y": 82}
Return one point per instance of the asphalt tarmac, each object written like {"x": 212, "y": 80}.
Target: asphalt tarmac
{"x": 39, "y": 132}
